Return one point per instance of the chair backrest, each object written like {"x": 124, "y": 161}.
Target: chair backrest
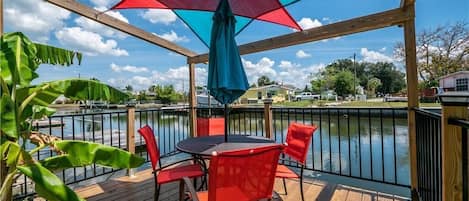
{"x": 298, "y": 141}
{"x": 210, "y": 126}
{"x": 243, "y": 175}
{"x": 152, "y": 147}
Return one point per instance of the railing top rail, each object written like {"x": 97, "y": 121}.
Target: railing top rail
{"x": 427, "y": 112}
{"x": 344, "y": 108}
{"x": 117, "y": 111}
{"x": 459, "y": 122}
{"x": 89, "y": 113}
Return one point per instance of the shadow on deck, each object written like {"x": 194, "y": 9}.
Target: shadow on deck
{"x": 141, "y": 187}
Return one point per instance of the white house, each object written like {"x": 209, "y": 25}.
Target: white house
{"x": 457, "y": 81}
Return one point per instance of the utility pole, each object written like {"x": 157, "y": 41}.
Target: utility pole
{"x": 354, "y": 78}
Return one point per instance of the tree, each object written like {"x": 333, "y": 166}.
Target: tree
{"x": 372, "y": 84}
{"x": 306, "y": 89}
{"x": 167, "y": 94}
{"x": 392, "y": 80}
{"x": 129, "y": 88}
{"x": 440, "y": 51}
{"x": 21, "y": 103}
{"x": 263, "y": 81}
{"x": 344, "y": 83}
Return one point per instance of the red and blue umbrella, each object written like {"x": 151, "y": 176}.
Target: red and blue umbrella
{"x": 216, "y": 23}
{"x": 197, "y": 14}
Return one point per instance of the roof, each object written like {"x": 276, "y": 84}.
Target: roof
{"x": 453, "y": 74}
{"x": 287, "y": 87}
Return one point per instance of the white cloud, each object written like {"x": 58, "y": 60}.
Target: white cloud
{"x": 263, "y": 67}
{"x": 302, "y": 54}
{"x": 288, "y": 65}
{"x": 88, "y": 42}
{"x": 382, "y": 49}
{"x": 373, "y": 56}
{"x": 162, "y": 16}
{"x": 307, "y": 23}
{"x": 173, "y": 37}
{"x": 297, "y": 75}
{"x": 35, "y": 18}
{"x": 90, "y": 25}
{"x": 132, "y": 69}
{"x": 104, "y": 3}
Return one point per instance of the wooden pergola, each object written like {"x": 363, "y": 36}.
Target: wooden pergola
{"x": 402, "y": 16}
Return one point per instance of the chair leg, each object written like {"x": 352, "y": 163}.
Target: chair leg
{"x": 285, "y": 186}
{"x": 301, "y": 184}
{"x": 157, "y": 192}
{"x": 181, "y": 190}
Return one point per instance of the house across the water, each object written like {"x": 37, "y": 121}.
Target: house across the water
{"x": 278, "y": 93}
{"x": 457, "y": 81}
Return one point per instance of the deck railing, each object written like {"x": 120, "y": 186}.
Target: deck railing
{"x": 428, "y": 141}
{"x": 364, "y": 143}
{"x": 110, "y": 128}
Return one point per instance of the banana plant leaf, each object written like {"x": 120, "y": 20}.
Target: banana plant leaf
{"x": 42, "y": 111}
{"x": 81, "y": 153}
{"x": 10, "y": 151}
{"x": 8, "y": 118}
{"x": 47, "y": 184}
{"x": 20, "y": 58}
{"x": 56, "y": 56}
{"x": 17, "y": 56}
{"x": 76, "y": 89}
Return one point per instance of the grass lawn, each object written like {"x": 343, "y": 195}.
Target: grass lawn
{"x": 385, "y": 104}
{"x": 303, "y": 103}
{"x": 307, "y": 103}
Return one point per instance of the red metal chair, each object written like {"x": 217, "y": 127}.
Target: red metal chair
{"x": 244, "y": 175}
{"x": 210, "y": 126}
{"x": 163, "y": 174}
{"x": 296, "y": 146}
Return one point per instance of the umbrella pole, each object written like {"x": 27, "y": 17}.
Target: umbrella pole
{"x": 226, "y": 122}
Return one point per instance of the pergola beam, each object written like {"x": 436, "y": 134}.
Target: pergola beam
{"x": 405, "y": 3}
{"x": 115, "y": 23}
{"x": 356, "y": 25}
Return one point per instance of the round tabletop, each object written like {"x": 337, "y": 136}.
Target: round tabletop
{"x": 206, "y": 145}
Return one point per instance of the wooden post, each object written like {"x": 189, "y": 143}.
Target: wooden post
{"x": 268, "y": 117}
{"x": 192, "y": 102}
{"x": 131, "y": 135}
{"x": 451, "y": 156}
{"x": 412, "y": 93}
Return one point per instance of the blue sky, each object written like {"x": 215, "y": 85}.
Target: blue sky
{"x": 119, "y": 59}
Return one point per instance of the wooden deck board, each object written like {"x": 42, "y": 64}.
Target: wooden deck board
{"x": 141, "y": 187}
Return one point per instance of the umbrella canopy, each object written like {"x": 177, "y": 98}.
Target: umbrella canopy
{"x": 197, "y": 14}
{"x": 226, "y": 77}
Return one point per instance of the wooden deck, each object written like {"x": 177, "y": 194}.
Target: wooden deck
{"x": 141, "y": 187}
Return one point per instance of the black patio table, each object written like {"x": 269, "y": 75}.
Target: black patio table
{"x": 205, "y": 146}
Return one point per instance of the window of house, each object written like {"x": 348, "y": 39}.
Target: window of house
{"x": 462, "y": 84}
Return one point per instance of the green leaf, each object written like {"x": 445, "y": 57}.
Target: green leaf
{"x": 10, "y": 151}
{"x": 56, "y": 56}
{"x": 81, "y": 153}
{"x": 8, "y": 119}
{"x": 47, "y": 184}
{"x": 88, "y": 90}
{"x": 41, "y": 111}
{"x": 76, "y": 89}
{"x": 17, "y": 54}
